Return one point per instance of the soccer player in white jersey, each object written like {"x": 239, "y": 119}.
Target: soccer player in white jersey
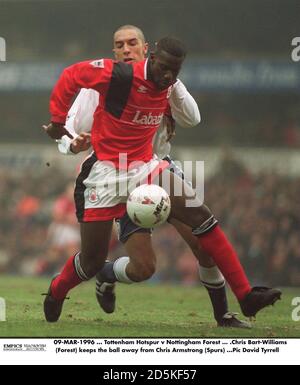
{"x": 141, "y": 264}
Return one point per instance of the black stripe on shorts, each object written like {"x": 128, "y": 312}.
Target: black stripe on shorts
{"x": 80, "y": 187}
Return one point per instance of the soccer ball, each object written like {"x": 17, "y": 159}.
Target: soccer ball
{"x": 148, "y": 206}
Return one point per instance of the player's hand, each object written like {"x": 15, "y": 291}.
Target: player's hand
{"x": 81, "y": 143}
{"x": 170, "y": 124}
{"x": 56, "y": 131}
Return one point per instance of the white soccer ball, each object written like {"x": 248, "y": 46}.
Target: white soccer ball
{"x": 148, "y": 206}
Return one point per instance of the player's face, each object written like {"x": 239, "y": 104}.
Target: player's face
{"x": 164, "y": 69}
{"x": 128, "y": 46}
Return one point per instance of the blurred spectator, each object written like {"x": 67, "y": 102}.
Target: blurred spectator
{"x": 292, "y": 134}
{"x": 63, "y": 237}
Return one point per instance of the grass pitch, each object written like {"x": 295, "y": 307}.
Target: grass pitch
{"x": 142, "y": 311}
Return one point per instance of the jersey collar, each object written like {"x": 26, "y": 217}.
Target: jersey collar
{"x": 147, "y": 75}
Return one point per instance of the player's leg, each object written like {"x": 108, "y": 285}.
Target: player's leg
{"x": 138, "y": 265}
{"x": 95, "y": 237}
{"x": 186, "y": 233}
{"x": 214, "y": 242}
{"x": 142, "y": 262}
{"x": 211, "y": 278}
{"x": 205, "y": 227}
{"x": 210, "y": 275}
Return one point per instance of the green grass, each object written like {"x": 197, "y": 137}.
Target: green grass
{"x": 142, "y": 311}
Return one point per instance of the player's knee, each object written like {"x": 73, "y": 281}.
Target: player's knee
{"x": 194, "y": 216}
{"x": 144, "y": 274}
{"x": 143, "y": 271}
{"x": 148, "y": 271}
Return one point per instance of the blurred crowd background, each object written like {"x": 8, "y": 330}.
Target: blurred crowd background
{"x": 260, "y": 213}
{"x": 239, "y": 70}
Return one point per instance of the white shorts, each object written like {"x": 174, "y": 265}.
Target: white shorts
{"x": 101, "y": 189}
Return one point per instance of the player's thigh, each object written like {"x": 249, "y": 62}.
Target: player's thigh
{"x": 185, "y": 205}
{"x": 139, "y": 248}
{"x": 95, "y": 238}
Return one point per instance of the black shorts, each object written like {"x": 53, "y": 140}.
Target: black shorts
{"x": 125, "y": 225}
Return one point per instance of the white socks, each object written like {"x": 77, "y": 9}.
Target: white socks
{"x": 120, "y": 269}
{"x": 211, "y": 277}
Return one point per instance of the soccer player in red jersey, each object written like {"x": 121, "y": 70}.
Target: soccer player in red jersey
{"x": 133, "y": 100}
{"x": 139, "y": 265}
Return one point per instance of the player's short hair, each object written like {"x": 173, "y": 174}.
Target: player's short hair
{"x": 130, "y": 26}
{"x": 172, "y": 46}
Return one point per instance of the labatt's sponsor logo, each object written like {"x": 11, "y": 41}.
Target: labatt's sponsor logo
{"x": 147, "y": 119}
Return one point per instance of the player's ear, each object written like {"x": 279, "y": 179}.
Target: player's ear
{"x": 146, "y": 47}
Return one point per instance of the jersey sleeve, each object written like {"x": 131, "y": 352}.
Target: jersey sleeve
{"x": 184, "y": 108}
{"x": 161, "y": 147}
{"x": 89, "y": 74}
{"x": 80, "y": 118}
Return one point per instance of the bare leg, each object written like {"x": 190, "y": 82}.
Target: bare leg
{"x": 210, "y": 277}
{"x": 210, "y": 236}
{"x": 142, "y": 257}
{"x": 186, "y": 232}
{"x": 95, "y": 237}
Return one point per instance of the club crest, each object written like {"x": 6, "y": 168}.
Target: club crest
{"x": 93, "y": 196}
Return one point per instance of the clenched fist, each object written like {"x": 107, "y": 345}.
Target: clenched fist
{"x": 56, "y": 130}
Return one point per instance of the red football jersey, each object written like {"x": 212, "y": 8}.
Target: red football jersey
{"x": 130, "y": 111}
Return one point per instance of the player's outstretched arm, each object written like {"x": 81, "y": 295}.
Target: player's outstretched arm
{"x": 95, "y": 75}
{"x": 79, "y": 123}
